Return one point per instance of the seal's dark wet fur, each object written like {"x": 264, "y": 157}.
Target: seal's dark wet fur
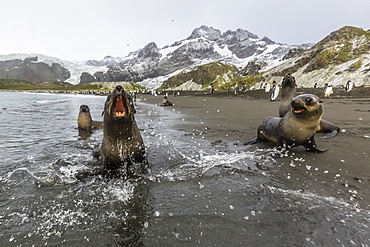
{"x": 84, "y": 120}
{"x": 122, "y": 150}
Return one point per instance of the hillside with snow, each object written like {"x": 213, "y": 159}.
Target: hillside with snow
{"x": 151, "y": 66}
{"x": 341, "y": 56}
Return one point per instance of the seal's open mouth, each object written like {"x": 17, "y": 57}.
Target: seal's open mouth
{"x": 299, "y": 110}
{"x": 119, "y": 108}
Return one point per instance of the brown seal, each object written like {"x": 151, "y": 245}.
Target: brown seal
{"x": 84, "y": 120}
{"x": 288, "y": 92}
{"x": 122, "y": 148}
{"x": 297, "y": 127}
{"x": 165, "y": 102}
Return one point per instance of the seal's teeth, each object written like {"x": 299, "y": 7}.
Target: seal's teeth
{"x": 120, "y": 114}
{"x": 299, "y": 111}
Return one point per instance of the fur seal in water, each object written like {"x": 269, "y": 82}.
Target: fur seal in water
{"x": 297, "y": 127}
{"x": 84, "y": 120}
{"x": 122, "y": 148}
{"x": 288, "y": 91}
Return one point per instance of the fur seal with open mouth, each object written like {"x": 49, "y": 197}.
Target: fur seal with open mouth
{"x": 288, "y": 91}
{"x": 122, "y": 148}
{"x": 84, "y": 120}
{"x": 297, "y": 127}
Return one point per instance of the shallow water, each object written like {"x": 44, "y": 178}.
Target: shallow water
{"x": 198, "y": 193}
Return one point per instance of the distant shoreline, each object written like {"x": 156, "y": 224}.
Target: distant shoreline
{"x": 358, "y": 92}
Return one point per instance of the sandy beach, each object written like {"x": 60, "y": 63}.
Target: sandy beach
{"x": 228, "y": 120}
{"x": 204, "y": 187}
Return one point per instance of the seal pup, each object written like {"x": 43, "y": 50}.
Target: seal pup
{"x": 84, "y": 120}
{"x": 288, "y": 92}
{"x": 165, "y": 102}
{"x": 296, "y": 128}
{"x": 122, "y": 149}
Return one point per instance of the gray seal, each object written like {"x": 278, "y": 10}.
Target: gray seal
{"x": 297, "y": 127}
{"x": 288, "y": 92}
{"x": 122, "y": 149}
{"x": 84, "y": 120}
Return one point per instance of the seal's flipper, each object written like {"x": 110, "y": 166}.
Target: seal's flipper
{"x": 329, "y": 128}
{"x": 330, "y": 134}
{"x": 311, "y": 146}
{"x": 251, "y": 142}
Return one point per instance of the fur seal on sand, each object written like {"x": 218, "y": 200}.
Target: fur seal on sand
{"x": 165, "y": 102}
{"x": 288, "y": 91}
{"x": 122, "y": 148}
{"x": 297, "y": 127}
{"x": 84, "y": 120}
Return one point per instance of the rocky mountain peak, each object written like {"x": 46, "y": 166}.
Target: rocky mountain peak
{"x": 244, "y": 34}
{"x": 209, "y": 33}
{"x": 150, "y": 50}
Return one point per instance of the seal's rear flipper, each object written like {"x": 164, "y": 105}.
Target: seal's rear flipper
{"x": 251, "y": 142}
{"x": 317, "y": 150}
{"x": 330, "y": 134}
{"x": 329, "y": 128}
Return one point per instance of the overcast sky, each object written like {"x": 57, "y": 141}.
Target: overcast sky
{"x": 93, "y": 29}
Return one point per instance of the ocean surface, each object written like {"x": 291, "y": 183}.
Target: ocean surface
{"x": 198, "y": 193}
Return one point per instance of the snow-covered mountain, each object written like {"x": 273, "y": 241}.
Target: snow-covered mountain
{"x": 75, "y": 69}
{"x": 150, "y": 66}
{"x": 342, "y": 55}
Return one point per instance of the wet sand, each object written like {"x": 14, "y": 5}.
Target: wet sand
{"x": 228, "y": 120}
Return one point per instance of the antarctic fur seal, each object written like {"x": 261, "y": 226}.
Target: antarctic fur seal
{"x": 122, "y": 148}
{"x": 297, "y": 127}
{"x": 288, "y": 91}
{"x": 165, "y": 102}
{"x": 84, "y": 120}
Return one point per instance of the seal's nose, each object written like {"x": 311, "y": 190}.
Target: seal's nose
{"x": 119, "y": 88}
